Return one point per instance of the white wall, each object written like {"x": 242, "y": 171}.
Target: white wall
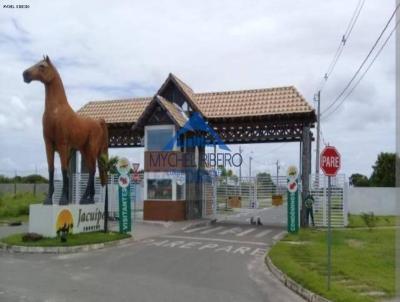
{"x": 380, "y": 201}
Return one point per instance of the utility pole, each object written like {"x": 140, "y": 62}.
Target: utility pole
{"x": 250, "y": 159}
{"x": 277, "y": 174}
{"x": 240, "y": 167}
{"x": 318, "y": 99}
{"x": 240, "y": 171}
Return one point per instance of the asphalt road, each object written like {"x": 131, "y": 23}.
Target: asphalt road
{"x": 222, "y": 262}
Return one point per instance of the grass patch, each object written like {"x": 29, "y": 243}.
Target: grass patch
{"x": 16, "y": 207}
{"x": 363, "y": 261}
{"x": 72, "y": 240}
{"x": 355, "y": 221}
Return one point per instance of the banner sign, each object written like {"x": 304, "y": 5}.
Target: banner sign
{"x": 124, "y": 193}
{"x": 292, "y": 200}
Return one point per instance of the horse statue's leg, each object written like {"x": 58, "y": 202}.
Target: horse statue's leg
{"x": 88, "y": 196}
{"x": 50, "y": 164}
{"x": 64, "y": 156}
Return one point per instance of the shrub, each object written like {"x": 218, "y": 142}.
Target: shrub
{"x": 369, "y": 219}
{"x": 31, "y": 237}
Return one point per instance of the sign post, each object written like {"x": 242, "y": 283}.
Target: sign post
{"x": 123, "y": 167}
{"x": 292, "y": 200}
{"x": 330, "y": 162}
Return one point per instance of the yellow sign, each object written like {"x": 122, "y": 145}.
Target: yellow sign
{"x": 65, "y": 221}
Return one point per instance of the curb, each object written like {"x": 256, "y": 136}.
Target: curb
{"x": 62, "y": 249}
{"x": 293, "y": 285}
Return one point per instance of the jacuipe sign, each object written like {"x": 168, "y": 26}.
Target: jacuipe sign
{"x": 124, "y": 192}
{"x": 330, "y": 161}
{"x": 292, "y": 200}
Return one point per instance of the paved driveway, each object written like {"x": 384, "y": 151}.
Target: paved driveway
{"x": 221, "y": 262}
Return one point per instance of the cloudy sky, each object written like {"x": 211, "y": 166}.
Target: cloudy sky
{"x": 118, "y": 49}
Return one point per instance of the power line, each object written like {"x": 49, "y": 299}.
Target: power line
{"x": 365, "y": 72}
{"x": 363, "y": 62}
{"x": 342, "y": 43}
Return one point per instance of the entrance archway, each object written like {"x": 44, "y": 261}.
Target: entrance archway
{"x": 271, "y": 115}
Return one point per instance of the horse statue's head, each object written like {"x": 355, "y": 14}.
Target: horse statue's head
{"x": 42, "y": 71}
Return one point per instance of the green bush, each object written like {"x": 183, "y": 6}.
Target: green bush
{"x": 369, "y": 219}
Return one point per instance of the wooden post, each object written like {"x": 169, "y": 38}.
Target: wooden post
{"x": 305, "y": 171}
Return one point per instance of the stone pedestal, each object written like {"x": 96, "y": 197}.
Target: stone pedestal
{"x": 46, "y": 220}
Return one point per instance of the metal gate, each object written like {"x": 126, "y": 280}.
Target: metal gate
{"x": 339, "y": 201}
{"x": 256, "y": 194}
{"x": 230, "y": 198}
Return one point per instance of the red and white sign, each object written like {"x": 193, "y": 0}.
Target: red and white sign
{"x": 330, "y": 161}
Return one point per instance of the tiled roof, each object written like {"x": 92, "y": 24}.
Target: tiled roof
{"x": 256, "y": 102}
{"x": 177, "y": 114}
{"x": 116, "y": 111}
{"x": 243, "y": 103}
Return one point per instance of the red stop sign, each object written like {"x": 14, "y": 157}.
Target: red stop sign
{"x": 330, "y": 161}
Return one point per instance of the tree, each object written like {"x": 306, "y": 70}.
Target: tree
{"x": 224, "y": 172}
{"x": 383, "y": 174}
{"x": 108, "y": 165}
{"x": 359, "y": 180}
{"x": 264, "y": 180}
{"x": 34, "y": 179}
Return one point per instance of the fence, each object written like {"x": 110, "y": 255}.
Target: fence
{"x": 339, "y": 200}
{"x": 16, "y": 188}
{"x": 79, "y": 181}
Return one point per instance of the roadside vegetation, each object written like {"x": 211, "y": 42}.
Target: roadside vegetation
{"x": 371, "y": 220}
{"x": 363, "y": 261}
{"x": 16, "y": 208}
{"x": 72, "y": 239}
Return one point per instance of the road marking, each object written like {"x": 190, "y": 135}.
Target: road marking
{"x": 262, "y": 234}
{"x": 197, "y": 229}
{"x": 230, "y": 231}
{"x": 245, "y": 232}
{"x": 212, "y": 230}
{"x": 278, "y": 236}
{"x": 214, "y": 239}
{"x": 214, "y": 247}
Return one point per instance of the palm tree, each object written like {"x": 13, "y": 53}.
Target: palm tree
{"x": 109, "y": 166}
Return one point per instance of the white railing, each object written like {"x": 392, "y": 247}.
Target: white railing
{"x": 339, "y": 204}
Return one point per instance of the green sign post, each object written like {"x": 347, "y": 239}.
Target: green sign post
{"x": 292, "y": 200}
{"x": 124, "y": 192}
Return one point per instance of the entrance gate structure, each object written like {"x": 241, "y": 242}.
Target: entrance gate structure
{"x": 270, "y": 115}
{"x": 235, "y": 199}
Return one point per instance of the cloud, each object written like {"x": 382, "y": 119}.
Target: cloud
{"x": 128, "y": 48}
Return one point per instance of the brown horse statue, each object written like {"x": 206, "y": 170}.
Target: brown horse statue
{"x": 65, "y": 131}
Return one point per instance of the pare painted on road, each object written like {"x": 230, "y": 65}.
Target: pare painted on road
{"x": 207, "y": 246}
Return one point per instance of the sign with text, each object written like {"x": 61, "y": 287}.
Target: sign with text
{"x": 292, "y": 200}
{"x": 124, "y": 193}
{"x": 330, "y": 161}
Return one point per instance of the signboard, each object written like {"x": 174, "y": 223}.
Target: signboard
{"x": 72, "y": 218}
{"x": 330, "y": 161}
{"x": 123, "y": 168}
{"x": 135, "y": 175}
{"x": 292, "y": 200}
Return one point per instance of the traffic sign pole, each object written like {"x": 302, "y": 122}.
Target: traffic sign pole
{"x": 329, "y": 235}
{"x": 330, "y": 164}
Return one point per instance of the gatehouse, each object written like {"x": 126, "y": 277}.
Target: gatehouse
{"x": 178, "y": 126}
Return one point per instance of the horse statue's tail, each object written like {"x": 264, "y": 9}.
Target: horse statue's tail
{"x": 103, "y": 152}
